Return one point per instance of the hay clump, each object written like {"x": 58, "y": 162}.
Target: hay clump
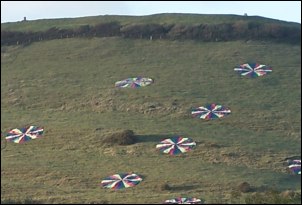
{"x": 125, "y": 137}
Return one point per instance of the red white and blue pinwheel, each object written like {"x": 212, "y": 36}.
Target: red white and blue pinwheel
{"x": 24, "y": 134}
{"x": 253, "y": 69}
{"x": 119, "y": 181}
{"x": 210, "y": 111}
{"x": 183, "y": 200}
{"x": 295, "y": 166}
{"x": 176, "y": 145}
{"x": 134, "y": 82}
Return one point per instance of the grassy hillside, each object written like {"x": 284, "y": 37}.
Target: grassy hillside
{"x": 67, "y": 86}
{"x": 186, "y": 19}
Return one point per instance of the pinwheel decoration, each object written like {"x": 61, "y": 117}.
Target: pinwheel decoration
{"x": 183, "y": 200}
{"x": 253, "y": 69}
{"x": 24, "y": 134}
{"x": 119, "y": 181}
{"x": 134, "y": 82}
{"x": 210, "y": 111}
{"x": 295, "y": 166}
{"x": 176, "y": 145}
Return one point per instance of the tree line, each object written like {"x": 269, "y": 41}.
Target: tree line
{"x": 239, "y": 30}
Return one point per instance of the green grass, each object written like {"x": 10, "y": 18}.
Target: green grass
{"x": 67, "y": 86}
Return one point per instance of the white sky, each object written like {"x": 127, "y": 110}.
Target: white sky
{"x": 12, "y": 11}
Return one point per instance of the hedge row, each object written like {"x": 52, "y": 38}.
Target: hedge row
{"x": 239, "y": 30}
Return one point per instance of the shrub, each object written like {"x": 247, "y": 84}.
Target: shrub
{"x": 244, "y": 187}
{"x": 125, "y": 137}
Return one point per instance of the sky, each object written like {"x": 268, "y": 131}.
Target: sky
{"x": 13, "y": 11}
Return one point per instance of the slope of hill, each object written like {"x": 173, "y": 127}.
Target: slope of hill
{"x": 186, "y": 19}
{"x": 67, "y": 86}
{"x": 162, "y": 26}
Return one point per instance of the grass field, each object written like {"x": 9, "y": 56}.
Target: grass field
{"x": 67, "y": 86}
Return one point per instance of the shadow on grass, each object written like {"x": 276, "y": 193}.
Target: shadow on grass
{"x": 165, "y": 186}
{"x": 25, "y": 201}
{"x": 289, "y": 181}
{"x": 153, "y": 138}
{"x": 184, "y": 187}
